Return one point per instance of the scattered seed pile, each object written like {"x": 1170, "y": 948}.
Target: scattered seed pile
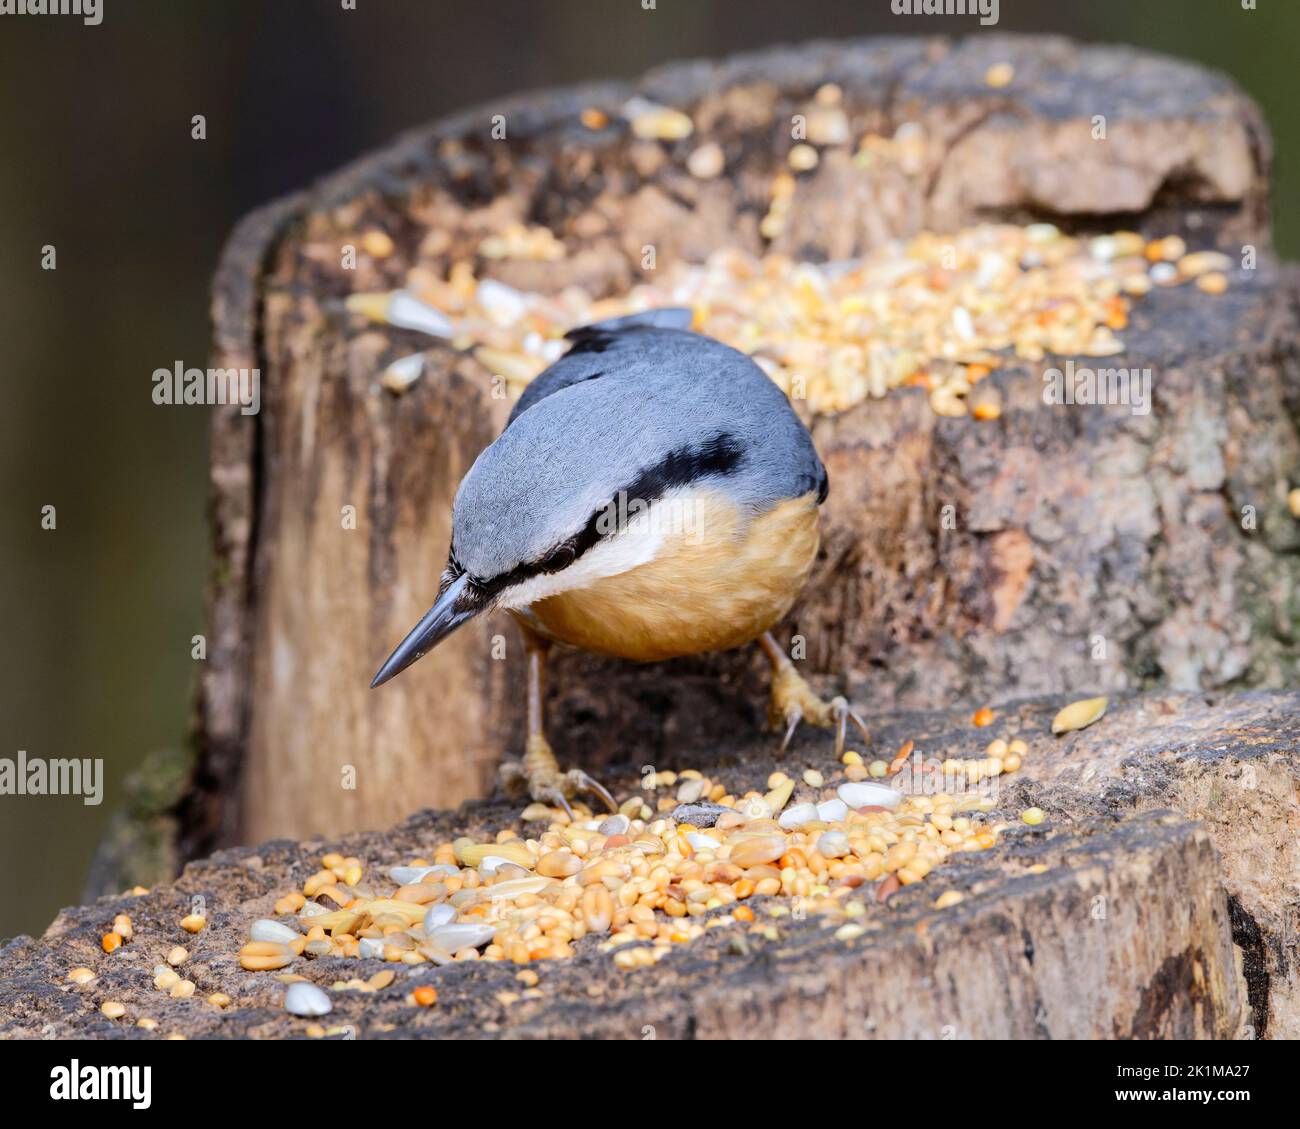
{"x": 940, "y": 311}
{"x": 681, "y": 857}
{"x": 642, "y": 880}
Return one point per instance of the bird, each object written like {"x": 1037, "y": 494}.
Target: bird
{"x": 653, "y": 494}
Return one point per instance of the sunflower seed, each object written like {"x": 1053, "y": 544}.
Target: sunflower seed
{"x": 702, "y": 842}
{"x": 698, "y": 814}
{"x": 832, "y": 811}
{"x": 864, "y": 794}
{"x": 411, "y": 876}
{"x": 438, "y": 916}
{"x": 453, "y": 938}
{"x": 306, "y": 999}
{"x": 797, "y": 816}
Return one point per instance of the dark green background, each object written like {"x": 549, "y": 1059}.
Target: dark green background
{"x": 97, "y": 159}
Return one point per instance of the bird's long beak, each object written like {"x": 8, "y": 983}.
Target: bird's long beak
{"x": 453, "y": 607}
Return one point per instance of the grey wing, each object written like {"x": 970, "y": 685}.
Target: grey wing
{"x": 587, "y": 360}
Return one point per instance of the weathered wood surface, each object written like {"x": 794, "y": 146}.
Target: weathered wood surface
{"x": 1073, "y": 525}
{"x": 1128, "y": 931}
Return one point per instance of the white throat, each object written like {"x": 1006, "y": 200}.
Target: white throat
{"x": 641, "y": 534}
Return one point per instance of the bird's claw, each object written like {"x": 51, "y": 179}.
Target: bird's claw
{"x": 570, "y": 785}
{"x": 842, "y": 713}
{"x": 582, "y": 782}
{"x": 546, "y": 784}
{"x": 793, "y": 701}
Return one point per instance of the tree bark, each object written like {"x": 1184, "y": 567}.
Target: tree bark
{"x": 1079, "y": 533}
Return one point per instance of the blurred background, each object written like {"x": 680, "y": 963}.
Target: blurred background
{"x": 95, "y": 130}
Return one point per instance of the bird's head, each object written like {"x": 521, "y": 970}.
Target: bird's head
{"x": 585, "y": 484}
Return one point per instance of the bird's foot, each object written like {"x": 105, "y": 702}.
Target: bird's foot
{"x": 539, "y": 774}
{"x": 793, "y": 701}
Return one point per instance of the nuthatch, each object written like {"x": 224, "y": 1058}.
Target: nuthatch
{"x": 653, "y": 494}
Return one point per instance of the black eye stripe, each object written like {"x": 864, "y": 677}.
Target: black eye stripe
{"x": 720, "y": 455}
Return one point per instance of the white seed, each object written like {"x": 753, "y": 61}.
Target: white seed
{"x": 453, "y": 938}
{"x": 707, "y": 161}
{"x": 702, "y": 842}
{"x": 797, "y": 816}
{"x": 690, "y": 791}
{"x": 402, "y": 373}
{"x": 490, "y": 864}
{"x": 437, "y": 916}
{"x": 1103, "y": 247}
{"x": 504, "y": 304}
{"x": 306, "y": 999}
{"x": 832, "y": 811}
{"x": 863, "y": 794}
{"x": 615, "y": 825}
{"x": 264, "y": 929}
{"x": 372, "y": 948}
{"x": 408, "y": 312}
{"x": 413, "y": 875}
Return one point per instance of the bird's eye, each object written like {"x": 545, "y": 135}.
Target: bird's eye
{"x": 558, "y": 558}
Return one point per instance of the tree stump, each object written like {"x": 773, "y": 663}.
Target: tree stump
{"x": 1118, "y": 917}
{"x": 1079, "y": 533}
